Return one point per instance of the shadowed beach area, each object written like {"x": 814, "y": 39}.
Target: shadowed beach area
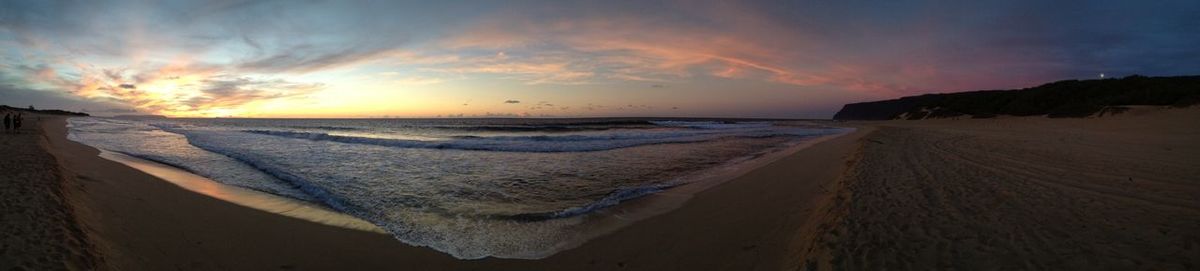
{"x": 1006, "y": 193}
{"x": 1117, "y": 192}
{"x": 39, "y": 230}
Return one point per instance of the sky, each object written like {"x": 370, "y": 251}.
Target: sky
{"x": 786, "y": 59}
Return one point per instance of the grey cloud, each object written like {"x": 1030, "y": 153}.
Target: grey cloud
{"x": 495, "y": 115}
{"x": 302, "y": 61}
{"x": 22, "y": 97}
{"x": 542, "y": 105}
{"x": 251, "y": 42}
{"x": 234, "y": 91}
{"x": 273, "y": 30}
{"x": 112, "y": 110}
{"x": 114, "y": 74}
{"x": 512, "y": 102}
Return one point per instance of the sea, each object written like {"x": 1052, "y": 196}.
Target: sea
{"x": 472, "y": 188}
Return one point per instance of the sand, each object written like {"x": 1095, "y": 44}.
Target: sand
{"x": 38, "y": 229}
{"x": 1119, "y": 192}
{"x": 1008, "y": 193}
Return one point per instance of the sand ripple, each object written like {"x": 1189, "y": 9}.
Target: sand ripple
{"x": 1021, "y": 194}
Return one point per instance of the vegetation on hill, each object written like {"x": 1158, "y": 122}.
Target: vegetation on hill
{"x": 5, "y": 108}
{"x": 1070, "y": 98}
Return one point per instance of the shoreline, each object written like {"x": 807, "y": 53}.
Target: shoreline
{"x": 610, "y": 219}
{"x": 383, "y": 248}
{"x": 242, "y": 196}
{"x": 592, "y": 224}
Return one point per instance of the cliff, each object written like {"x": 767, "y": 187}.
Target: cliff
{"x": 1070, "y": 98}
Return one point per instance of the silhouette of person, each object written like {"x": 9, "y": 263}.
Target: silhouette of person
{"x": 17, "y": 123}
{"x": 7, "y": 121}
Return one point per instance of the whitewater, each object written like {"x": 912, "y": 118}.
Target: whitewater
{"x": 472, "y": 188}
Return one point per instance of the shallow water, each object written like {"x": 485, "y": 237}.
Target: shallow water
{"x": 242, "y": 196}
{"x": 473, "y": 188}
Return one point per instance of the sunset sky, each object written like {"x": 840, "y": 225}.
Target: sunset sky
{"x": 801, "y": 59}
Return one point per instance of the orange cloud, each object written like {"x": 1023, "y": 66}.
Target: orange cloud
{"x": 180, "y": 88}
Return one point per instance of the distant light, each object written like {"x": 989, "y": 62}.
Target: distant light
{"x": 1101, "y": 76}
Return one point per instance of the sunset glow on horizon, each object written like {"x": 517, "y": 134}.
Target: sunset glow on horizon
{"x": 485, "y": 59}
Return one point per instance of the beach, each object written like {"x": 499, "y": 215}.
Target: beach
{"x": 40, "y": 230}
{"x": 142, "y": 222}
{"x": 599, "y": 135}
{"x": 1004, "y": 193}
{"x": 1116, "y": 192}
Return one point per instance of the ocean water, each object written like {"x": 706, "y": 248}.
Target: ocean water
{"x": 473, "y": 188}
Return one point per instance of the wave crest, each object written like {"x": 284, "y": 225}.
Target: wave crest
{"x": 546, "y": 143}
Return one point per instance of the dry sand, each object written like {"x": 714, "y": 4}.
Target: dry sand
{"x": 1119, "y": 192}
{"x": 1012, "y": 193}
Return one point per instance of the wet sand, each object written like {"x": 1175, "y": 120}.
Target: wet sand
{"x": 243, "y": 196}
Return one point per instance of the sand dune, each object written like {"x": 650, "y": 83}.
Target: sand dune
{"x": 1022, "y": 193}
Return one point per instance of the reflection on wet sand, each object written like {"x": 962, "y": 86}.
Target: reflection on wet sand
{"x": 243, "y": 196}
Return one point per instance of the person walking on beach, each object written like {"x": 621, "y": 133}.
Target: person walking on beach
{"x": 7, "y": 121}
{"x": 17, "y": 123}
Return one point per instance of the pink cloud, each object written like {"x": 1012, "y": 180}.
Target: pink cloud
{"x": 734, "y": 43}
{"x": 637, "y": 49}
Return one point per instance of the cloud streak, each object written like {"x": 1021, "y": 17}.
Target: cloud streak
{"x": 306, "y": 61}
{"x": 634, "y": 48}
{"x": 231, "y": 92}
{"x": 883, "y": 58}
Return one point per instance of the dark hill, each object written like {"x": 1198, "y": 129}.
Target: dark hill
{"x": 5, "y": 108}
{"x": 1070, "y": 98}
